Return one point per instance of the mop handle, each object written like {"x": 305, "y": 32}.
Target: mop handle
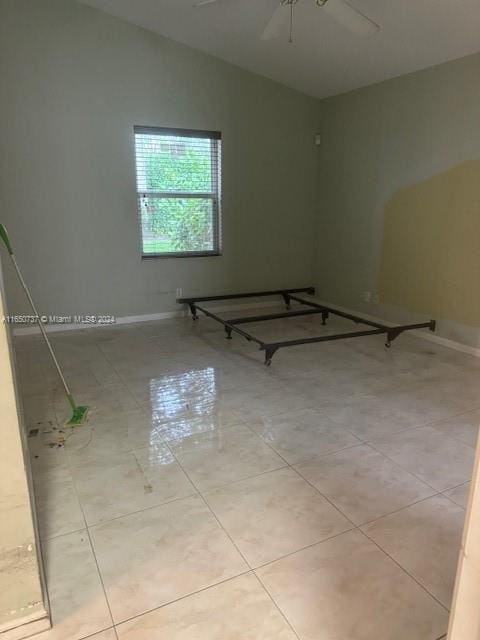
{"x": 42, "y": 328}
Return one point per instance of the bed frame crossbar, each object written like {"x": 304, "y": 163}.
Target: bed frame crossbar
{"x": 270, "y": 348}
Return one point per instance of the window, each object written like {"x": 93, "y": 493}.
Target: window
{"x": 179, "y": 191}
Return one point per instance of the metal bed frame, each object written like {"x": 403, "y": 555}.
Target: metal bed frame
{"x": 270, "y": 348}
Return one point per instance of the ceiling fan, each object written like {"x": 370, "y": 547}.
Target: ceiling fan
{"x": 340, "y": 10}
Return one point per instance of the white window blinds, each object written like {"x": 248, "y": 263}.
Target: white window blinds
{"x": 179, "y": 191}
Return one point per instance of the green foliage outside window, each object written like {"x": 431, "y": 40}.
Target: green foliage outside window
{"x": 177, "y": 224}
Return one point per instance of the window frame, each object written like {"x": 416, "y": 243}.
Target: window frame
{"x": 215, "y": 196}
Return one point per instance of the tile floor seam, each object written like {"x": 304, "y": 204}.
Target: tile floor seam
{"x": 454, "y": 437}
{"x": 225, "y": 484}
{"x": 401, "y": 430}
{"x": 95, "y": 559}
{"x": 97, "y": 346}
{"x": 184, "y": 597}
{"x": 292, "y": 467}
{"x": 391, "y": 513}
{"x": 277, "y": 607}
{"x": 233, "y": 482}
{"x": 308, "y": 546}
{"x": 198, "y": 492}
{"x": 116, "y": 371}
{"x": 315, "y": 456}
{"x": 358, "y": 528}
{"x": 239, "y": 551}
{"x": 231, "y": 359}
{"x": 406, "y": 387}
{"x": 198, "y": 433}
{"x": 326, "y": 498}
{"x": 92, "y": 635}
{"x": 445, "y": 491}
{"x": 432, "y": 424}
{"x": 354, "y": 525}
{"x": 195, "y": 490}
{"x": 213, "y": 514}
{"x": 370, "y": 444}
{"x": 61, "y": 535}
{"x": 132, "y": 513}
{"x": 405, "y": 571}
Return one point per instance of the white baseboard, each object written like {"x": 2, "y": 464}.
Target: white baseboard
{"x": 446, "y": 342}
{"x": 426, "y": 335}
{"x": 148, "y": 317}
{"x": 165, "y": 315}
{"x": 27, "y": 627}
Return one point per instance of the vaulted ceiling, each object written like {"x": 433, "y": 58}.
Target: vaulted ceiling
{"x": 325, "y": 58}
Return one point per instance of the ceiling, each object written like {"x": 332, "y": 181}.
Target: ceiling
{"x": 325, "y": 59}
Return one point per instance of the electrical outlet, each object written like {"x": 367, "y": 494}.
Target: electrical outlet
{"x": 367, "y": 296}
{"x": 179, "y": 293}
{"x": 375, "y": 298}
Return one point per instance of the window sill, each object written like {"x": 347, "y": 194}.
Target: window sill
{"x": 200, "y": 254}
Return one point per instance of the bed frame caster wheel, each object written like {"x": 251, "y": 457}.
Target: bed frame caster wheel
{"x": 269, "y": 353}
{"x": 388, "y": 344}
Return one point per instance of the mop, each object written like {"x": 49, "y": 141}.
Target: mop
{"x": 79, "y": 413}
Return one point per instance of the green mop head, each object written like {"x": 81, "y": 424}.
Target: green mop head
{"x": 79, "y": 416}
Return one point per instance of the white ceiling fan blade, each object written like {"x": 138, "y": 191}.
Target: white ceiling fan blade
{"x": 350, "y": 18}
{"x": 277, "y": 21}
{"x": 202, "y": 3}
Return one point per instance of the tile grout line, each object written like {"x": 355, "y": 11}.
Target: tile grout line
{"x": 238, "y": 550}
{"x": 210, "y": 510}
{"x": 93, "y": 635}
{"x": 399, "y": 466}
{"x": 180, "y": 598}
{"x": 357, "y": 527}
{"x": 295, "y": 470}
{"x": 298, "y": 473}
{"x": 370, "y": 444}
{"x": 314, "y": 459}
{"x": 120, "y": 377}
{"x": 408, "y": 429}
{"x": 412, "y": 504}
{"x": 95, "y": 557}
{"x": 101, "y": 580}
{"x": 287, "y": 465}
{"x": 406, "y": 571}
{"x": 277, "y": 607}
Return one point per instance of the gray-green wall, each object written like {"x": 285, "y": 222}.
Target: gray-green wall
{"x": 73, "y": 83}
{"x": 376, "y": 141}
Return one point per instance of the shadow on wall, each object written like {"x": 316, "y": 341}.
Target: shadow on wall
{"x": 431, "y": 246}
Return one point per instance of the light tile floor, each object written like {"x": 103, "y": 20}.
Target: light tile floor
{"x": 212, "y": 498}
